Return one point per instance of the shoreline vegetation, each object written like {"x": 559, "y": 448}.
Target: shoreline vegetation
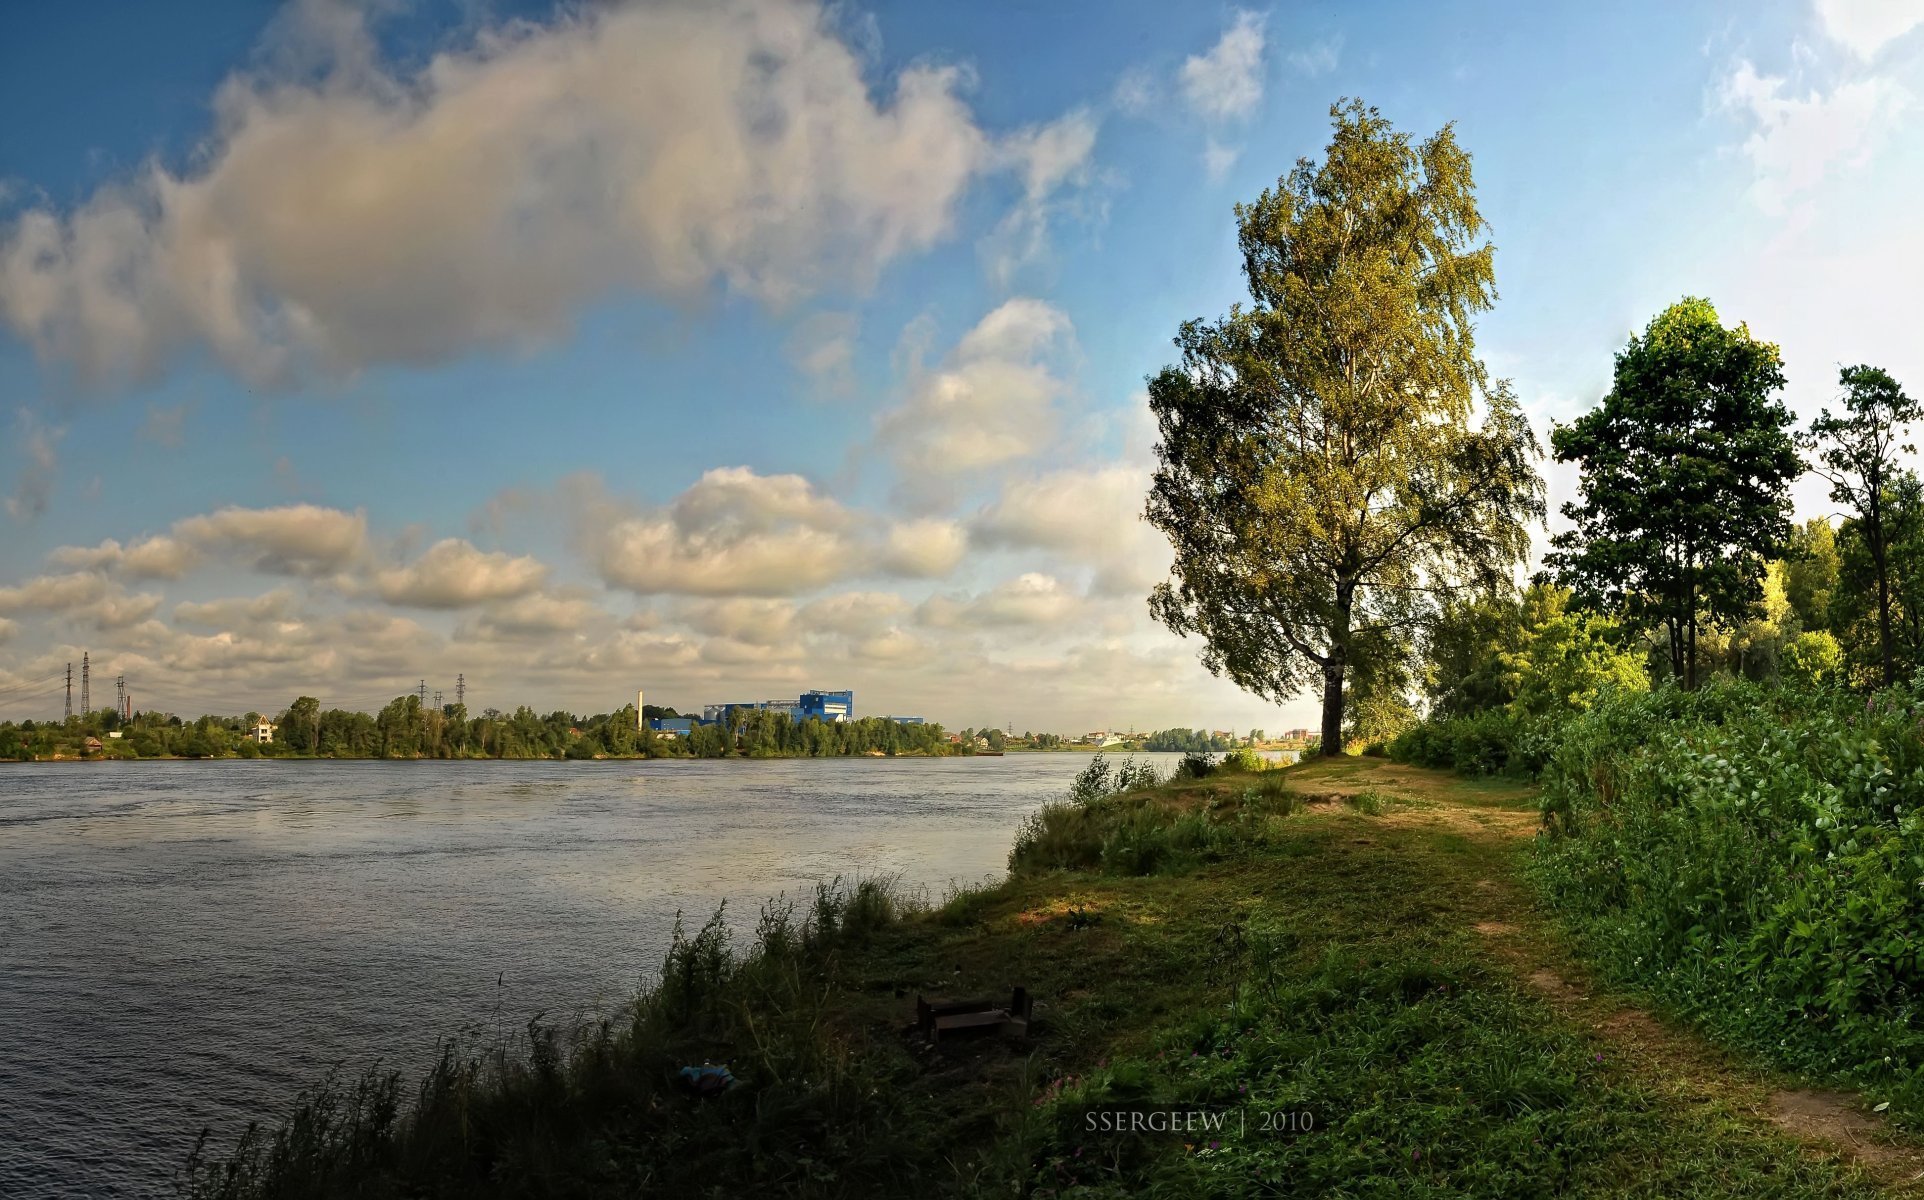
{"x": 407, "y": 729}
{"x": 1367, "y": 964}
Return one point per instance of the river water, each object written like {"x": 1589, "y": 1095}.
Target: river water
{"x": 191, "y": 944}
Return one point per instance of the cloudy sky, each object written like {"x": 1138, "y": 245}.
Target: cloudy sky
{"x": 727, "y": 349}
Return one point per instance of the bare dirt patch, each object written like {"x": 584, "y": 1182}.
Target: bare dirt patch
{"x": 1494, "y": 928}
{"x": 1839, "y": 1118}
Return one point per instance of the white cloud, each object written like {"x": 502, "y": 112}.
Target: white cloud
{"x": 539, "y": 615}
{"x": 924, "y": 549}
{"x": 160, "y": 557}
{"x": 1867, "y": 26}
{"x": 1136, "y": 92}
{"x": 1030, "y": 599}
{"x": 733, "y": 532}
{"x": 39, "y": 445}
{"x": 992, "y": 401}
{"x": 348, "y": 211}
{"x": 853, "y": 614}
{"x": 246, "y": 612}
{"x": 1227, "y": 82}
{"x": 1218, "y": 158}
{"x": 54, "y": 593}
{"x": 822, "y": 347}
{"x": 117, "y": 611}
{"x": 753, "y": 622}
{"x": 1318, "y": 58}
{"x": 1047, "y": 158}
{"x": 296, "y": 539}
{"x": 1085, "y": 515}
{"x": 454, "y": 574}
{"x": 1795, "y": 143}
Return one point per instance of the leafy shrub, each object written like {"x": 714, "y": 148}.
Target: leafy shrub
{"x": 1194, "y": 766}
{"x": 1243, "y": 760}
{"x": 1753, "y": 858}
{"x": 1493, "y": 742}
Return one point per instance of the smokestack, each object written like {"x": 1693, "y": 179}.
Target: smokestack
{"x": 641, "y": 721}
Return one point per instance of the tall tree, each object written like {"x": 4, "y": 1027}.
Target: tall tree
{"x": 1686, "y": 470}
{"x": 1856, "y": 451}
{"x": 1320, "y": 477}
{"x": 1810, "y": 572}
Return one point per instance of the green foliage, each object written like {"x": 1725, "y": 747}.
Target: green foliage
{"x": 579, "y": 1111}
{"x": 1854, "y": 611}
{"x": 1810, "y": 572}
{"x": 1489, "y": 743}
{"x": 1176, "y": 741}
{"x": 1113, "y": 823}
{"x": 1857, "y": 452}
{"x": 1685, "y": 473}
{"x": 1754, "y": 858}
{"x": 1319, "y": 477}
{"x": 1813, "y": 659}
{"x": 1527, "y": 663}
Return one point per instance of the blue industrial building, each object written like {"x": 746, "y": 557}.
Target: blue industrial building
{"x": 830, "y": 707}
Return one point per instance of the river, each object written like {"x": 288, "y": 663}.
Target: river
{"x": 190, "y": 944}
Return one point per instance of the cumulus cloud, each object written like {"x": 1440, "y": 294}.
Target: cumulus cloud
{"x": 1867, "y": 26}
{"x": 159, "y": 557}
{"x": 539, "y": 615}
{"x": 733, "y": 533}
{"x": 746, "y": 620}
{"x": 54, "y": 593}
{"x": 1033, "y": 599}
{"x": 854, "y": 614}
{"x": 246, "y": 612}
{"x": 924, "y": 549}
{"x": 39, "y": 446}
{"x": 738, "y": 533}
{"x": 993, "y": 400}
{"x": 1086, "y": 515}
{"x": 454, "y": 574}
{"x": 118, "y": 611}
{"x": 348, "y": 211}
{"x": 295, "y": 539}
{"x": 1796, "y": 143}
{"x": 1227, "y": 82}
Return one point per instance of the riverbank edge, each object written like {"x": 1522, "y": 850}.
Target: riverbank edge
{"x": 1319, "y": 891}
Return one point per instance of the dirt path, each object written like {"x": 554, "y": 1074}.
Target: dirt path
{"x": 1675, "y": 1063}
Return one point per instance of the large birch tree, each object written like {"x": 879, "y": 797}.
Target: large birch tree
{"x": 1334, "y": 457}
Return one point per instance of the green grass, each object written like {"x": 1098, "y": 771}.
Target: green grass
{"x": 1248, "y": 939}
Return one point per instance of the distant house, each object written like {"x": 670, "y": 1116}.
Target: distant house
{"x": 262, "y": 732}
{"x": 92, "y": 745}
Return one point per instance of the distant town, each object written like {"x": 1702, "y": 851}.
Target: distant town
{"x": 422, "y": 724}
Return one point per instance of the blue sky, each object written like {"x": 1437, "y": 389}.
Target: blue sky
{"x": 734, "y": 348}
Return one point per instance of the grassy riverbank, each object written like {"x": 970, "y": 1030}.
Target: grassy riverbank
{"x": 1339, "y": 945}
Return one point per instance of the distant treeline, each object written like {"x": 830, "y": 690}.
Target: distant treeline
{"x": 1186, "y": 741}
{"x": 406, "y": 728}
